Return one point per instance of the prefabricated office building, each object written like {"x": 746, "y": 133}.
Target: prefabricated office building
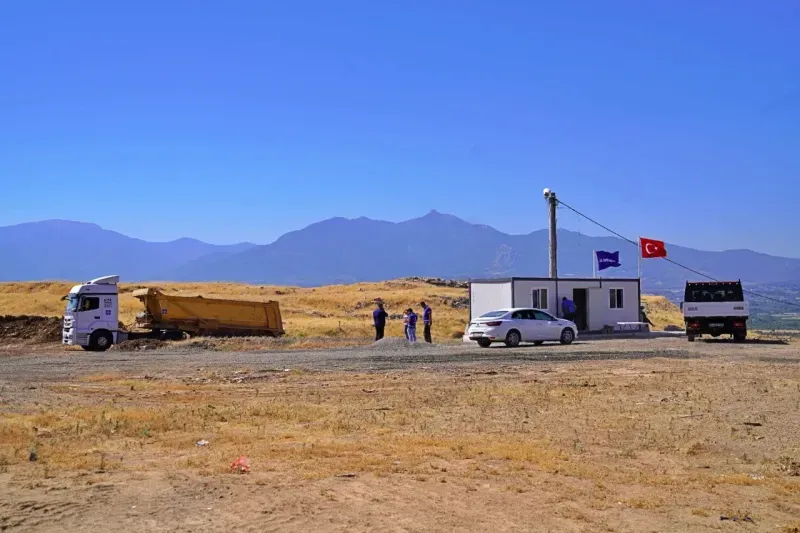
{"x": 599, "y": 302}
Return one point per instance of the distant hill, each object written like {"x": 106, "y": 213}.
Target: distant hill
{"x": 340, "y": 250}
{"x": 75, "y": 251}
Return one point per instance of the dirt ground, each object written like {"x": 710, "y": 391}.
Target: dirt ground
{"x": 632, "y": 435}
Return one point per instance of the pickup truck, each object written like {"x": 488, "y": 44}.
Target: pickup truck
{"x": 715, "y": 308}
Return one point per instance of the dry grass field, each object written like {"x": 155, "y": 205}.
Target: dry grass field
{"x": 338, "y": 312}
{"x": 636, "y": 445}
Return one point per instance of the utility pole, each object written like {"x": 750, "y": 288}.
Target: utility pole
{"x": 552, "y": 202}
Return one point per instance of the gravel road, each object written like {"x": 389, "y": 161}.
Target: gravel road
{"x": 391, "y": 354}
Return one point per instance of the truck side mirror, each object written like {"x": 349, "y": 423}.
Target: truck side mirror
{"x": 681, "y": 306}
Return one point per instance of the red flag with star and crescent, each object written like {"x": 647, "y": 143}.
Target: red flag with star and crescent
{"x": 652, "y": 248}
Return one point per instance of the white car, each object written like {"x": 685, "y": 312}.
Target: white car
{"x": 516, "y": 325}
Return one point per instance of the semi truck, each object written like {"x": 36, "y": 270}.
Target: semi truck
{"x": 715, "y": 308}
{"x": 91, "y": 318}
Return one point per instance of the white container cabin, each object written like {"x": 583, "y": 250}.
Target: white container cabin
{"x": 599, "y": 302}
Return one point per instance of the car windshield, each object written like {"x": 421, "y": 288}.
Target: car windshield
{"x": 494, "y": 314}
{"x": 72, "y": 303}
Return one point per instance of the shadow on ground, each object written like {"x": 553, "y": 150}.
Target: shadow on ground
{"x": 505, "y": 355}
{"x": 779, "y": 342}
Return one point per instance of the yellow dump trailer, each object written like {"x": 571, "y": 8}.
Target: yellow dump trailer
{"x": 208, "y": 316}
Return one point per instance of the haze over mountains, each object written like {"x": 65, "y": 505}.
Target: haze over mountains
{"x": 342, "y": 250}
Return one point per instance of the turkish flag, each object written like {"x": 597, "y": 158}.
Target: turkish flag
{"x": 651, "y": 248}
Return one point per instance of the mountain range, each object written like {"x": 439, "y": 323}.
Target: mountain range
{"x": 340, "y": 250}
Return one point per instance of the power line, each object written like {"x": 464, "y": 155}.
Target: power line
{"x": 593, "y": 221}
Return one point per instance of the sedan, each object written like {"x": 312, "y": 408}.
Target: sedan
{"x": 512, "y": 326}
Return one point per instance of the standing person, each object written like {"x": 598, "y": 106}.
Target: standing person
{"x": 412, "y": 325}
{"x": 427, "y": 320}
{"x": 379, "y": 316}
{"x": 568, "y": 308}
{"x": 405, "y": 323}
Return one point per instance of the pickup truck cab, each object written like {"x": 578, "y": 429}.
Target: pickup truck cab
{"x": 715, "y": 308}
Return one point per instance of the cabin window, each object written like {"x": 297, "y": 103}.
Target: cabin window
{"x": 616, "y": 299}
{"x": 539, "y": 298}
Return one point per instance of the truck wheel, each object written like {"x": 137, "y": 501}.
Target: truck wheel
{"x": 740, "y": 337}
{"x": 484, "y": 343}
{"x": 690, "y": 337}
{"x": 100, "y": 341}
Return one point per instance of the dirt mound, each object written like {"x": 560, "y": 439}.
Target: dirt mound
{"x": 30, "y": 328}
{"x": 140, "y": 344}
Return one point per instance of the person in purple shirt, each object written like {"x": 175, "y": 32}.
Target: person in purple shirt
{"x": 379, "y": 317}
{"x": 412, "y": 325}
{"x": 427, "y": 320}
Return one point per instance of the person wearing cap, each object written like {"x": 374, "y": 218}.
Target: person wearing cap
{"x": 427, "y": 320}
{"x": 379, "y": 317}
{"x": 412, "y": 325}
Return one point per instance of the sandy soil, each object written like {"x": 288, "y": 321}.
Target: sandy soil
{"x": 638, "y": 435}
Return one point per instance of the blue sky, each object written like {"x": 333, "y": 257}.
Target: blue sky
{"x": 242, "y": 120}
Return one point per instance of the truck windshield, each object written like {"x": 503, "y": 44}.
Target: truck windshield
{"x": 714, "y": 292}
{"x": 72, "y": 303}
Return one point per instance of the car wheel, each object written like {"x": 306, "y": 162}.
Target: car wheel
{"x": 484, "y": 343}
{"x": 100, "y": 341}
{"x": 513, "y": 338}
{"x": 538, "y": 343}
{"x": 567, "y": 336}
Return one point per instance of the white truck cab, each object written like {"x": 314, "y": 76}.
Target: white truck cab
{"x": 91, "y": 319}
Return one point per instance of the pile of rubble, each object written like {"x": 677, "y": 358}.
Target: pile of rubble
{"x": 440, "y": 282}
{"x": 30, "y": 328}
{"x": 458, "y": 302}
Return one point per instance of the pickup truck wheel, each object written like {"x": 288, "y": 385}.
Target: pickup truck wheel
{"x": 513, "y": 338}
{"x": 567, "y": 336}
{"x": 739, "y": 337}
{"x": 100, "y": 341}
{"x": 690, "y": 337}
{"x": 484, "y": 343}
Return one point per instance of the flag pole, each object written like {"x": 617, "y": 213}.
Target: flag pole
{"x": 594, "y": 264}
{"x": 639, "y": 259}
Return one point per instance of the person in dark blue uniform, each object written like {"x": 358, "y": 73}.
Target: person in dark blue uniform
{"x": 427, "y": 320}
{"x": 379, "y": 317}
